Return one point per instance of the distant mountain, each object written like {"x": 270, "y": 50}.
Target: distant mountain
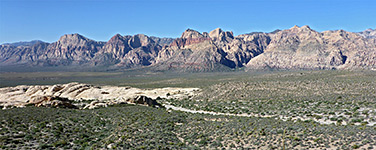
{"x": 294, "y": 48}
{"x": 162, "y": 41}
{"x": 304, "y": 48}
{"x": 24, "y": 43}
{"x": 129, "y": 51}
{"x": 369, "y": 33}
{"x": 193, "y": 51}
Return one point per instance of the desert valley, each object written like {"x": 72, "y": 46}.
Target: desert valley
{"x": 288, "y": 89}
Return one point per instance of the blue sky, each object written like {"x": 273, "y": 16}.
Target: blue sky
{"x": 47, "y": 20}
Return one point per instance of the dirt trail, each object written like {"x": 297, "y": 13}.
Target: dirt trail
{"x": 284, "y": 118}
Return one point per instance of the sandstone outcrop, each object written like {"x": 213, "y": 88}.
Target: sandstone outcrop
{"x": 144, "y": 100}
{"x": 50, "y": 101}
{"x": 86, "y": 96}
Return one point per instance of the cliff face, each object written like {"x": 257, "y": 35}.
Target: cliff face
{"x": 130, "y": 51}
{"x": 193, "y": 51}
{"x": 10, "y": 55}
{"x": 304, "y": 48}
{"x": 72, "y": 49}
{"x": 294, "y": 48}
{"x": 211, "y": 51}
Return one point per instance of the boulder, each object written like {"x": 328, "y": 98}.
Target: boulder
{"x": 51, "y": 101}
{"x": 95, "y": 104}
{"x": 144, "y": 100}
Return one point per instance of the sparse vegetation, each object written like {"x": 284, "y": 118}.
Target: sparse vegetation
{"x": 346, "y": 100}
{"x": 129, "y": 126}
{"x": 325, "y": 96}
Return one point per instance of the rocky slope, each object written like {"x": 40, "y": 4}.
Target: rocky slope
{"x": 192, "y": 51}
{"x": 10, "y": 54}
{"x": 304, "y": 48}
{"x": 369, "y": 33}
{"x": 294, "y": 48}
{"x": 216, "y": 50}
{"x": 86, "y": 96}
{"x": 162, "y": 41}
{"x": 130, "y": 51}
{"x": 70, "y": 49}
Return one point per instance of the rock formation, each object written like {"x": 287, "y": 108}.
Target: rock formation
{"x": 294, "y": 48}
{"x": 162, "y": 41}
{"x": 304, "y": 48}
{"x": 24, "y": 43}
{"x": 130, "y": 51}
{"x": 72, "y": 49}
{"x": 193, "y": 51}
{"x": 369, "y": 33}
{"x": 50, "y": 101}
{"x": 10, "y": 55}
{"x": 86, "y": 96}
{"x": 144, "y": 100}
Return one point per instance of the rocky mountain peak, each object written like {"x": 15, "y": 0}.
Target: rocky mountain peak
{"x": 191, "y": 38}
{"x": 72, "y": 40}
{"x": 144, "y": 39}
{"x": 305, "y": 28}
{"x": 216, "y": 31}
{"x": 369, "y": 33}
{"x": 115, "y": 38}
{"x": 74, "y": 36}
{"x": 140, "y": 40}
{"x": 219, "y": 34}
{"x": 25, "y": 43}
{"x": 294, "y": 48}
{"x": 191, "y": 34}
{"x": 295, "y": 27}
{"x": 294, "y": 36}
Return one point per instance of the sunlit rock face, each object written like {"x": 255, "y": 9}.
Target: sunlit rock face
{"x": 218, "y": 50}
{"x": 63, "y": 95}
{"x": 304, "y": 48}
{"x": 369, "y": 33}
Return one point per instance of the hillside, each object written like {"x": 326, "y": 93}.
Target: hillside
{"x": 291, "y": 49}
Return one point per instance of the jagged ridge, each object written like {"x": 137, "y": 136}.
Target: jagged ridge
{"x": 294, "y": 48}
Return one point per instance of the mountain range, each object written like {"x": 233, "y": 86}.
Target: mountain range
{"x": 290, "y": 49}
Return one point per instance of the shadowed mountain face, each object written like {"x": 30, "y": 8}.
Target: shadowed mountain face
{"x": 130, "y": 51}
{"x": 10, "y": 54}
{"x": 294, "y": 48}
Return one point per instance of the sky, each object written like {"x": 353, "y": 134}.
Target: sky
{"x": 48, "y": 20}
